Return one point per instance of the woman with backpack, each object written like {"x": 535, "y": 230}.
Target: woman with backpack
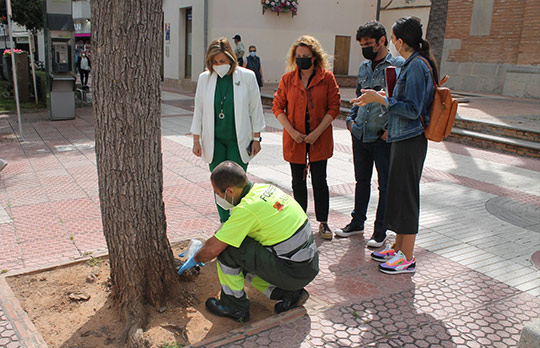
{"x": 408, "y": 109}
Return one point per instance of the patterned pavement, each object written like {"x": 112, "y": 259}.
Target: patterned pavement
{"x": 475, "y": 285}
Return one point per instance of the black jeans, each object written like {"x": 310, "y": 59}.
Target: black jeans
{"x": 320, "y": 187}
{"x": 84, "y": 76}
{"x": 364, "y": 155}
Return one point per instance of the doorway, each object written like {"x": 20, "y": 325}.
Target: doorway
{"x": 342, "y": 50}
{"x": 188, "y": 41}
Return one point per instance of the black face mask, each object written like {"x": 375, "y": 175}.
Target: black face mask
{"x": 304, "y": 63}
{"x": 368, "y": 53}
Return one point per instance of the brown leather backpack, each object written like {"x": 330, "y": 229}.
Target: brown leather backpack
{"x": 443, "y": 110}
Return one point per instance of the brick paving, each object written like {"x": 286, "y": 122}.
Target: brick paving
{"x": 475, "y": 285}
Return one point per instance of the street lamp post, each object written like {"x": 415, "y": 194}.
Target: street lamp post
{"x": 14, "y": 68}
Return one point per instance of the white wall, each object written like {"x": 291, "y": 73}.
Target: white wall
{"x": 272, "y": 34}
{"x": 174, "y": 67}
{"x": 403, "y": 8}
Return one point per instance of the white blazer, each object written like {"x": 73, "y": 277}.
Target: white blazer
{"x": 248, "y": 111}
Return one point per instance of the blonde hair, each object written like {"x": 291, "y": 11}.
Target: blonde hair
{"x": 321, "y": 57}
{"x": 218, "y": 46}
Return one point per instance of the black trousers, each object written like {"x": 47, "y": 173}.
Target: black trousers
{"x": 320, "y": 187}
{"x": 84, "y": 76}
{"x": 364, "y": 156}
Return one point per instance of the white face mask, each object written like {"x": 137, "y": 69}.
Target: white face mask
{"x": 223, "y": 202}
{"x": 394, "y": 50}
{"x": 222, "y": 70}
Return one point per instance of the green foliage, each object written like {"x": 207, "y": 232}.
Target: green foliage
{"x": 25, "y": 12}
{"x": 7, "y": 103}
{"x": 172, "y": 345}
{"x": 94, "y": 261}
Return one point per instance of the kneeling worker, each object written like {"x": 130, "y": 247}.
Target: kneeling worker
{"x": 267, "y": 240}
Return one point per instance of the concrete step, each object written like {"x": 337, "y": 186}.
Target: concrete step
{"x": 497, "y": 129}
{"x": 501, "y": 143}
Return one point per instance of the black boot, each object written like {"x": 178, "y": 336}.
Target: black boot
{"x": 215, "y": 306}
{"x": 298, "y": 299}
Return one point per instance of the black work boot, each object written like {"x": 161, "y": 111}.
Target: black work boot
{"x": 298, "y": 299}
{"x": 215, "y": 306}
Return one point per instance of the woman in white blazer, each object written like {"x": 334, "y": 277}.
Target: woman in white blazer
{"x": 228, "y": 117}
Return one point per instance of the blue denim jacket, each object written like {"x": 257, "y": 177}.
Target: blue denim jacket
{"x": 412, "y": 96}
{"x": 368, "y": 122}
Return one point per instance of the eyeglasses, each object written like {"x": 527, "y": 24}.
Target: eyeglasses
{"x": 252, "y": 51}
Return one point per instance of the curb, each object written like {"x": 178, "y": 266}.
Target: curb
{"x": 28, "y": 334}
{"x": 26, "y": 330}
{"x": 252, "y": 329}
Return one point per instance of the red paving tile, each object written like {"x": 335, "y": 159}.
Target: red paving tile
{"x": 52, "y": 197}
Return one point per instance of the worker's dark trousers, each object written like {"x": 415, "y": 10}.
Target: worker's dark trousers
{"x": 278, "y": 279}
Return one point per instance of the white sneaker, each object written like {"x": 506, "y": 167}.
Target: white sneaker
{"x": 372, "y": 243}
{"x": 3, "y": 164}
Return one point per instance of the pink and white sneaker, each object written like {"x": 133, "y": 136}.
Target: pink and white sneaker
{"x": 398, "y": 264}
{"x": 384, "y": 255}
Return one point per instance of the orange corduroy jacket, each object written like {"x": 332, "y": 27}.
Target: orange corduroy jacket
{"x": 321, "y": 98}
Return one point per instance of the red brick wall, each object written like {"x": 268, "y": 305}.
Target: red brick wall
{"x": 514, "y": 37}
{"x": 529, "y": 48}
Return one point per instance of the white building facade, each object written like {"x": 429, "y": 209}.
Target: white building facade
{"x": 190, "y": 25}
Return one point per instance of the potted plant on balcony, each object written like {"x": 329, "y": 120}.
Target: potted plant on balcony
{"x": 280, "y": 6}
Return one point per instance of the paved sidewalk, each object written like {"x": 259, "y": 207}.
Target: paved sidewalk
{"x": 475, "y": 285}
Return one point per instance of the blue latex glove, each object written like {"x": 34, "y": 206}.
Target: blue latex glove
{"x": 190, "y": 263}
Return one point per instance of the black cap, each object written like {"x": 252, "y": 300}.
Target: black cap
{"x": 237, "y": 37}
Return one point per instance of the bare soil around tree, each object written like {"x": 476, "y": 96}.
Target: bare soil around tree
{"x": 72, "y": 306}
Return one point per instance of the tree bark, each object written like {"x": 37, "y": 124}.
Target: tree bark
{"x": 437, "y": 28}
{"x": 126, "y": 59}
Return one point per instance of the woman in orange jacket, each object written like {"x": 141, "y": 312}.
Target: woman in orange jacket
{"x": 305, "y": 103}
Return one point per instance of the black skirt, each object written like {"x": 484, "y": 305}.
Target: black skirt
{"x": 403, "y": 193}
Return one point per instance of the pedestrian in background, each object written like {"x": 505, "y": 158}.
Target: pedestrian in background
{"x": 228, "y": 116}
{"x": 410, "y": 102}
{"x": 84, "y": 66}
{"x": 239, "y": 49}
{"x": 367, "y": 126}
{"x": 253, "y": 63}
{"x": 305, "y": 103}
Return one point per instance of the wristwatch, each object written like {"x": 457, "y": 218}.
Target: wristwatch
{"x": 259, "y": 139}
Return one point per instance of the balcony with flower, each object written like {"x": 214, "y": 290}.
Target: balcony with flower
{"x": 280, "y": 6}
{"x": 7, "y": 52}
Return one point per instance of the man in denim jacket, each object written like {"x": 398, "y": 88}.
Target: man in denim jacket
{"x": 367, "y": 126}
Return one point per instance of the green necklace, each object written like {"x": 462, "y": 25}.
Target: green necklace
{"x": 223, "y": 96}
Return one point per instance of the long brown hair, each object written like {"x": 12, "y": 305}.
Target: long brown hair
{"x": 321, "y": 57}
{"x": 218, "y": 46}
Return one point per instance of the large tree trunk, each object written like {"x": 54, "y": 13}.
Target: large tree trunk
{"x": 437, "y": 28}
{"x": 125, "y": 59}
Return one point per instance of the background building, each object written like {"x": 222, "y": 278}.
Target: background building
{"x": 83, "y": 29}
{"x": 190, "y": 25}
{"x": 493, "y": 46}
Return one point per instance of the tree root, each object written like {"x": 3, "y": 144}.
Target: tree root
{"x": 133, "y": 335}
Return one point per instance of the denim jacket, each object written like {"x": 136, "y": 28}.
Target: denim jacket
{"x": 368, "y": 122}
{"x": 412, "y": 97}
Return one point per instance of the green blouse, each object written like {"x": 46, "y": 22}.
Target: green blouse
{"x": 224, "y": 129}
